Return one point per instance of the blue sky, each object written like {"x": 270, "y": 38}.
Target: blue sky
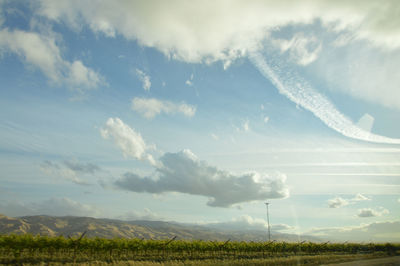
{"x": 199, "y": 113}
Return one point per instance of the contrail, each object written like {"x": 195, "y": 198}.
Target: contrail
{"x": 299, "y": 91}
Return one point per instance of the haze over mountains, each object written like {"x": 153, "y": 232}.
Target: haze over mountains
{"x": 108, "y": 228}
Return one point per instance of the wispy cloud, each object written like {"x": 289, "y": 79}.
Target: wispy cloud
{"x": 86, "y": 168}
{"x": 69, "y": 170}
{"x": 214, "y": 136}
{"x": 183, "y": 172}
{"x": 127, "y": 139}
{"x": 189, "y": 82}
{"x": 42, "y": 52}
{"x": 340, "y": 202}
{"x": 151, "y": 107}
{"x": 302, "y": 49}
{"x": 246, "y": 222}
{"x": 246, "y": 125}
{"x": 53, "y": 206}
{"x": 300, "y": 92}
{"x": 144, "y": 78}
{"x": 378, "y": 231}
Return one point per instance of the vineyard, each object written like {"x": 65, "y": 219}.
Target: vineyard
{"x": 28, "y": 248}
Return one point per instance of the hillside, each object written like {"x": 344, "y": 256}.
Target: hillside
{"x": 108, "y": 228}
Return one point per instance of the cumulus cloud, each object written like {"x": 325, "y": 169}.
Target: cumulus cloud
{"x": 368, "y": 212}
{"x": 127, "y": 139}
{"x": 184, "y": 172}
{"x": 375, "y": 232}
{"x": 337, "y": 202}
{"x": 150, "y": 107}
{"x": 144, "y": 78}
{"x": 69, "y": 170}
{"x": 53, "y": 206}
{"x": 360, "y": 197}
{"x": 340, "y": 202}
{"x": 230, "y": 29}
{"x": 42, "y": 52}
{"x": 246, "y": 222}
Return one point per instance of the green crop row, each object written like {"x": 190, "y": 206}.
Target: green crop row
{"x": 20, "y": 242}
{"x": 26, "y": 247}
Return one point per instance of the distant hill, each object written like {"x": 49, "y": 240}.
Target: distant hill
{"x": 108, "y": 228}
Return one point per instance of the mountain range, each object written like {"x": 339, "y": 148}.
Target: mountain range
{"x": 109, "y": 228}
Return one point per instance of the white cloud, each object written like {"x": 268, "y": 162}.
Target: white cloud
{"x": 78, "y": 167}
{"x": 183, "y": 172}
{"x": 246, "y": 126}
{"x": 69, "y": 171}
{"x": 189, "y": 82}
{"x": 246, "y": 222}
{"x": 53, "y": 206}
{"x": 366, "y": 122}
{"x": 300, "y": 92}
{"x": 146, "y": 215}
{"x": 226, "y": 29}
{"x": 42, "y": 52}
{"x": 150, "y": 107}
{"x": 214, "y": 136}
{"x": 368, "y": 212}
{"x": 340, "y": 202}
{"x": 80, "y": 77}
{"x": 360, "y": 197}
{"x": 144, "y": 78}
{"x": 362, "y": 72}
{"x": 127, "y": 139}
{"x": 337, "y": 202}
{"x": 373, "y": 232}
{"x": 302, "y": 49}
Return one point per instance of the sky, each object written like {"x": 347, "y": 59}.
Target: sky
{"x": 200, "y": 112}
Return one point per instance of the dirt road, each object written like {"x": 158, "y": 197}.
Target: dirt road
{"x": 390, "y": 261}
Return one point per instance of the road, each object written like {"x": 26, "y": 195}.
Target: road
{"x": 390, "y": 261}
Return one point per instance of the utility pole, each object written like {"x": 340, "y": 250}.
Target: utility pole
{"x": 269, "y": 227}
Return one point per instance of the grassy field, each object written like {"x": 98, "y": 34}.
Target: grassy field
{"x": 29, "y": 250}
